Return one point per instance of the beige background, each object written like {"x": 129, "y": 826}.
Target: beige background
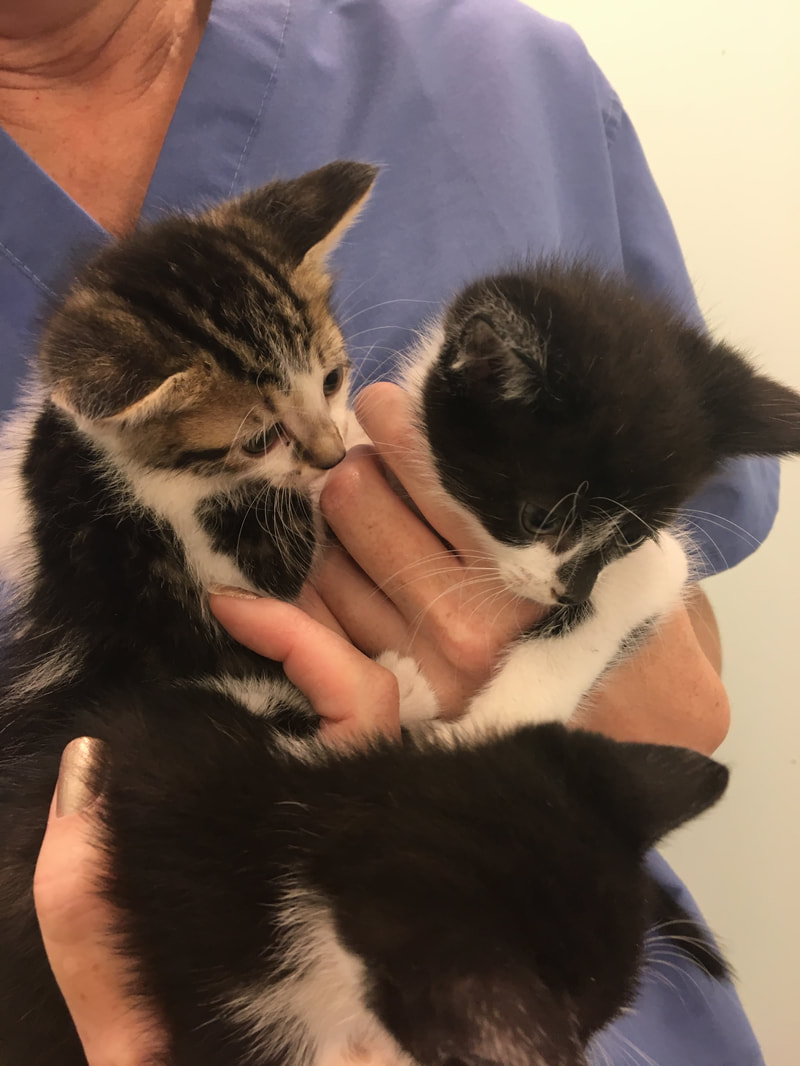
{"x": 713, "y": 87}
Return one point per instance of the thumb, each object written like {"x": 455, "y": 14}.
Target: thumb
{"x": 77, "y": 924}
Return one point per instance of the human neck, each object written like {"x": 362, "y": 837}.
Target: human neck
{"x": 59, "y": 45}
{"x": 88, "y": 88}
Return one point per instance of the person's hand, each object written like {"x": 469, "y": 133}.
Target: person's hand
{"x": 670, "y": 691}
{"x": 353, "y": 695}
{"x": 395, "y": 583}
{"x": 77, "y": 927}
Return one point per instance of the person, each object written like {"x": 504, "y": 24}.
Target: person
{"x": 499, "y": 140}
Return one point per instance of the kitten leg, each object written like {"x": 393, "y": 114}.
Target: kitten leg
{"x": 544, "y": 677}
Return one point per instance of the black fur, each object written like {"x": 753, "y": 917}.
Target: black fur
{"x": 563, "y": 387}
{"x": 251, "y": 528}
{"x": 502, "y": 883}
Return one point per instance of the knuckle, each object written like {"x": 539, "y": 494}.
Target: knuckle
{"x": 467, "y": 644}
{"x": 716, "y": 714}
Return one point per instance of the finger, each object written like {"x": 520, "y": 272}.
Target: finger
{"x": 399, "y": 552}
{"x": 370, "y": 620}
{"x": 436, "y": 595}
{"x": 351, "y": 692}
{"x": 311, "y": 603}
{"x": 76, "y": 921}
{"x": 386, "y": 413}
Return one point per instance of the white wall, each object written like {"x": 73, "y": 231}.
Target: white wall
{"x": 713, "y": 87}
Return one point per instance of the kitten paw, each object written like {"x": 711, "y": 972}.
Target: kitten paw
{"x": 418, "y": 702}
{"x": 645, "y": 584}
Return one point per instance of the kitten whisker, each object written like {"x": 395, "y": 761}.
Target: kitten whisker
{"x": 384, "y": 303}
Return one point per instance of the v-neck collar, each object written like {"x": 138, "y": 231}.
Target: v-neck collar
{"x": 44, "y": 233}
{"x": 224, "y": 98}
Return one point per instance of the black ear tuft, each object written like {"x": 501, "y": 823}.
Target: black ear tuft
{"x": 311, "y": 211}
{"x": 665, "y": 787}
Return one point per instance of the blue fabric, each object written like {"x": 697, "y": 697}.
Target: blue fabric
{"x": 500, "y": 140}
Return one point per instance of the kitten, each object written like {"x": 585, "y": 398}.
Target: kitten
{"x": 192, "y": 395}
{"x": 570, "y": 419}
{"x": 431, "y": 902}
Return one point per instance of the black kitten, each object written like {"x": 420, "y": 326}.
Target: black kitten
{"x": 569, "y": 419}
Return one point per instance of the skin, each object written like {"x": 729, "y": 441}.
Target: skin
{"x": 88, "y": 87}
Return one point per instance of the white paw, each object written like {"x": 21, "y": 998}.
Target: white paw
{"x": 645, "y": 584}
{"x": 417, "y": 700}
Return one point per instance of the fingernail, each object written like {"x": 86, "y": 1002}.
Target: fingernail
{"x": 73, "y": 793}
{"x": 232, "y": 590}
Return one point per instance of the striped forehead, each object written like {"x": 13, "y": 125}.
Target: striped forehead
{"x": 217, "y": 290}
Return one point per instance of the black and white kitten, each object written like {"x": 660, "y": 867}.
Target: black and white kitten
{"x": 435, "y": 902}
{"x": 570, "y": 419}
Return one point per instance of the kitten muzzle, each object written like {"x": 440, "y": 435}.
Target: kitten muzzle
{"x": 578, "y": 579}
{"x": 318, "y": 442}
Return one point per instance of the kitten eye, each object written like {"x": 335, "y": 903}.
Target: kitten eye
{"x": 633, "y": 536}
{"x": 538, "y": 520}
{"x": 264, "y": 442}
{"x": 333, "y": 381}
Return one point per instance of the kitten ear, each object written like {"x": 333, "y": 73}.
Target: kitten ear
{"x": 99, "y": 367}
{"x": 486, "y": 358}
{"x": 751, "y": 414}
{"x": 309, "y": 214}
{"x": 662, "y": 788}
{"x": 115, "y": 404}
{"x": 762, "y": 419}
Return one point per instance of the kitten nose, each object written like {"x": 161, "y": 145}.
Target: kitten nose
{"x": 328, "y": 459}
{"x": 324, "y": 449}
{"x": 578, "y": 579}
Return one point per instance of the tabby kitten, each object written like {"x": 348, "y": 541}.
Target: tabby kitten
{"x": 570, "y": 419}
{"x": 285, "y": 904}
{"x": 192, "y": 395}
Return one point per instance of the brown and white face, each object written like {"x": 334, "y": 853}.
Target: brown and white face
{"x": 287, "y": 426}
{"x": 207, "y": 345}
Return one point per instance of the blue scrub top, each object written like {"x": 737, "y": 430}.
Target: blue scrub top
{"x": 500, "y": 140}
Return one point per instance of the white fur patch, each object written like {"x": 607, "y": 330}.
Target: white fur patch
{"x": 545, "y": 678}
{"x": 18, "y": 557}
{"x": 261, "y": 695}
{"x": 51, "y": 673}
{"x": 316, "y": 1014}
{"x": 418, "y": 702}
